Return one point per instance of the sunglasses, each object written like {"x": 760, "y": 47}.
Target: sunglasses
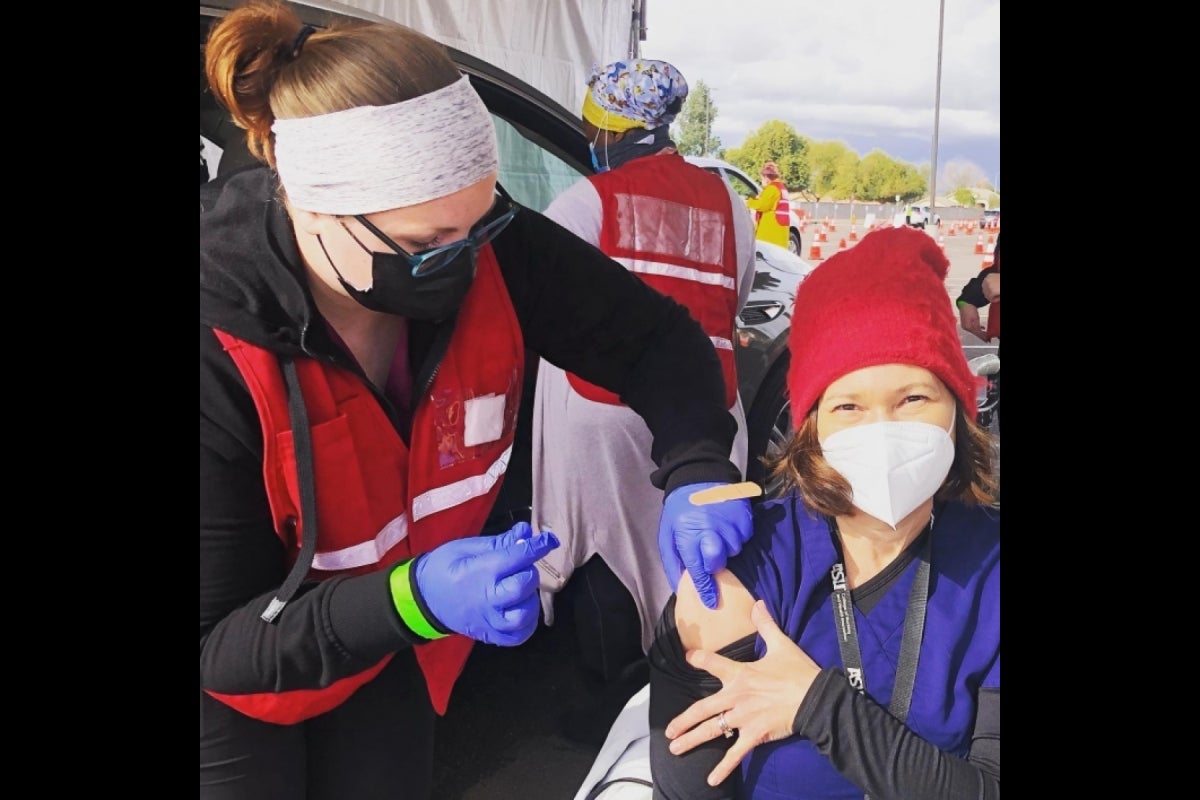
{"x": 425, "y": 263}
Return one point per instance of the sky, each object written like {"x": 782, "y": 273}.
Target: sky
{"x": 862, "y": 72}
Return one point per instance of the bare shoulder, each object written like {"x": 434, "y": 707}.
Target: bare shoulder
{"x": 711, "y": 629}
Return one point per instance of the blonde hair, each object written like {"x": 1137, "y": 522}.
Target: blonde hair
{"x": 255, "y": 71}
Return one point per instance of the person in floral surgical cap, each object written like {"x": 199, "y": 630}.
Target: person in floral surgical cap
{"x": 631, "y": 96}
{"x": 684, "y": 232}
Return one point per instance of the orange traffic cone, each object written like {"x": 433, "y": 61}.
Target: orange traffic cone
{"x": 853, "y": 234}
{"x": 952, "y": 229}
{"x": 814, "y": 252}
{"x": 842, "y": 243}
{"x": 821, "y": 236}
{"x": 979, "y": 245}
{"x": 991, "y": 238}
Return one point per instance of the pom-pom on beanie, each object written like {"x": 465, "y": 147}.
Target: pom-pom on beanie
{"x": 883, "y": 301}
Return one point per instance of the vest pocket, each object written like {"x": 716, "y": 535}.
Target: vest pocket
{"x": 344, "y": 512}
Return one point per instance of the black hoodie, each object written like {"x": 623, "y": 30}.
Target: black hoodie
{"x": 577, "y": 308}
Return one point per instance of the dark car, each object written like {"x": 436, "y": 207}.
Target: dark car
{"x": 542, "y": 152}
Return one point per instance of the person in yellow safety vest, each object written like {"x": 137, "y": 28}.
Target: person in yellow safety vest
{"x": 908, "y": 214}
{"x": 772, "y": 209}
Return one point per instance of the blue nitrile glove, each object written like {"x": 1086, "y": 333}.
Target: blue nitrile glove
{"x": 700, "y": 538}
{"x": 486, "y": 587}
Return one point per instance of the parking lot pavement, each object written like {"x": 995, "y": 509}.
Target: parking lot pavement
{"x": 958, "y": 242}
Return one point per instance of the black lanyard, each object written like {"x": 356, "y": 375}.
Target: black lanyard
{"x": 308, "y": 495}
{"x": 914, "y": 627}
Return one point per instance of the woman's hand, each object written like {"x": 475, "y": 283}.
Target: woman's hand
{"x": 759, "y": 699}
{"x": 968, "y": 315}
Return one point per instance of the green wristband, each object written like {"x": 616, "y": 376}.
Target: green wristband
{"x": 406, "y": 604}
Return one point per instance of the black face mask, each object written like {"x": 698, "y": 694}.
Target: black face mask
{"x": 394, "y": 289}
{"x": 427, "y": 286}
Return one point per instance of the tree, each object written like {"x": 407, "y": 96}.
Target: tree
{"x": 964, "y": 196}
{"x": 876, "y": 178}
{"x": 881, "y": 178}
{"x": 913, "y": 182}
{"x": 776, "y": 141}
{"x": 693, "y": 134}
{"x": 833, "y": 166}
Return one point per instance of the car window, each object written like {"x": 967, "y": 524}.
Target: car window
{"x": 532, "y": 175}
{"x": 740, "y": 185}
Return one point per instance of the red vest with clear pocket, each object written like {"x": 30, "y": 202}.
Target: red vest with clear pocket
{"x": 378, "y": 500}
{"x": 671, "y": 223}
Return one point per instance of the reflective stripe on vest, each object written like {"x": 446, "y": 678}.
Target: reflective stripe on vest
{"x": 644, "y": 267}
{"x": 430, "y": 502}
{"x": 450, "y": 495}
{"x": 365, "y": 474}
{"x": 671, "y": 223}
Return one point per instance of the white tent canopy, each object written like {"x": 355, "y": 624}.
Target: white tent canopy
{"x": 550, "y": 44}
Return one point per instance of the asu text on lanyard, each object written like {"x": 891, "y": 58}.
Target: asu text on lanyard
{"x": 914, "y": 628}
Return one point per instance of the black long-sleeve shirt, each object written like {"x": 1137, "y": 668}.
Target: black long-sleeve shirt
{"x": 972, "y": 291}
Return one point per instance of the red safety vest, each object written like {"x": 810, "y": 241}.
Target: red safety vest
{"x": 672, "y": 224}
{"x": 783, "y": 208}
{"x": 378, "y": 501}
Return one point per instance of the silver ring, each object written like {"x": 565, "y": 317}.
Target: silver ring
{"x": 725, "y": 729}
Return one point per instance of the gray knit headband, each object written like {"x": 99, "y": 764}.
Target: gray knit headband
{"x": 375, "y": 158}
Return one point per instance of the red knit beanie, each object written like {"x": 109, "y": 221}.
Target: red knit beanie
{"x": 883, "y": 301}
{"x": 769, "y": 170}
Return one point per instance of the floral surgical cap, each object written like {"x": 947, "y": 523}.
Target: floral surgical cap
{"x": 639, "y": 92}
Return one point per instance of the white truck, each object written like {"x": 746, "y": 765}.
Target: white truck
{"x": 919, "y": 218}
